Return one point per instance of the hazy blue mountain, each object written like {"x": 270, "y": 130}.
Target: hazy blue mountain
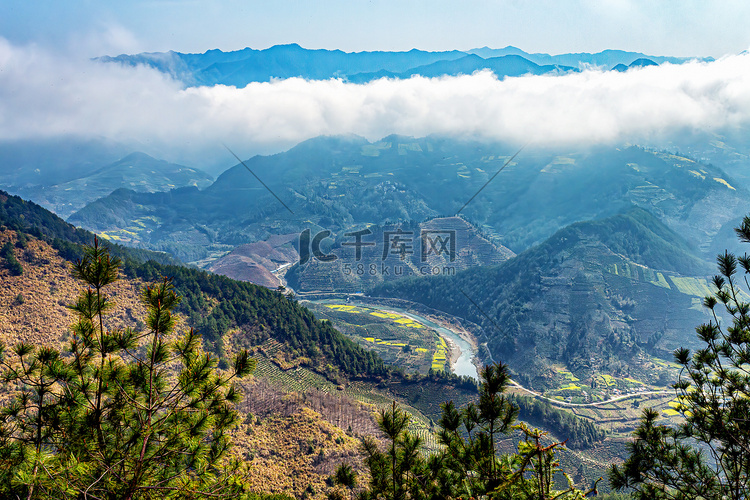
{"x": 280, "y": 61}
{"x": 486, "y": 52}
{"x": 606, "y": 58}
{"x": 137, "y": 171}
{"x": 510, "y": 65}
{"x": 32, "y": 162}
{"x": 642, "y": 62}
{"x": 248, "y": 65}
{"x": 334, "y": 183}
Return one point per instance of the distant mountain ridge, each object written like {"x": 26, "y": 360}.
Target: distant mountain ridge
{"x": 47, "y": 161}
{"x": 510, "y": 65}
{"x": 245, "y": 66}
{"x": 606, "y": 58}
{"x": 137, "y": 171}
{"x": 63, "y": 174}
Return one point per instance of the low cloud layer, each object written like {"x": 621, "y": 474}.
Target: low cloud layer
{"x": 44, "y": 95}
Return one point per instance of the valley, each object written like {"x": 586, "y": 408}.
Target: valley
{"x": 290, "y": 389}
{"x": 547, "y": 288}
{"x": 443, "y": 348}
{"x": 356, "y": 273}
{"x": 457, "y": 352}
{"x": 612, "y": 403}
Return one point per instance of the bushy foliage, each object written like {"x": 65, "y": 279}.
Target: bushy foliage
{"x": 708, "y": 454}
{"x": 119, "y": 413}
{"x": 8, "y": 253}
{"x": 469, "y": 465}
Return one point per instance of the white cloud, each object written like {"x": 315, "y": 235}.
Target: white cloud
{"x": 44, "y": 95}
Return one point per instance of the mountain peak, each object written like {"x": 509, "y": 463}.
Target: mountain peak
{"x": 137, "y": 156}
{"x": 287, "y": 46}
{"x": 642, "y": 62}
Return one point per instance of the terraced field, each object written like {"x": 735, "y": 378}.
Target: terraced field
{"x": 698, "y": 287}
{"x": 440, "y": 355}
{"x": 621, "y": 417}
{"x": 639, "y": 273}
{"x": 400, "y": 340}
{"x": 600, "y": 387}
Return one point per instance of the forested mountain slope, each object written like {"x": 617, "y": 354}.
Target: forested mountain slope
{"x": 596, "y": 297}
{"x": 212, "y": 304}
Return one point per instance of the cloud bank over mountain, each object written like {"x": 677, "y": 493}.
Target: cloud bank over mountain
{"x": 43, "y": 94}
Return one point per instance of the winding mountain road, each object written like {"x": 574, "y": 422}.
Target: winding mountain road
{"x": 583, "y": 405}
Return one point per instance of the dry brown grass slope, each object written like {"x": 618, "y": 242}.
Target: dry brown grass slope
{"x": 33, "y": 305}
{"x": 290, "y": 450}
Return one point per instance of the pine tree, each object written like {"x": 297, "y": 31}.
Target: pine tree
{"x": 400, "y": 471}
{"x": 471, "y": 435}
{"x": 707, "y": 456}
{"x": 469, "y": 465}
{"x": 119, "y": 414}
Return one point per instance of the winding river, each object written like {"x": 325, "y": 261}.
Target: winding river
{"x": 464, "y": 365}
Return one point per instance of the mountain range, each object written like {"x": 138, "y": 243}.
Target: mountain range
{"x": 613, "y": 244}
{"x": 334, "y": 183}
{"x": 241, "y": 67}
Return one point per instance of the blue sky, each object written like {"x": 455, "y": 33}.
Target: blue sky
{"x": 663, "y": 27}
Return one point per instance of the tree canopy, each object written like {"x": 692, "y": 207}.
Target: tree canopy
{"x": 118, "y": 414}
{"x": 707, "y": 456}
{"x": 469, "y": 465}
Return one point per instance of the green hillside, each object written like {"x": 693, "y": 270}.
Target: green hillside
{"x": 600, "y": 297}
{"x": 213, "y": 304}
{"x": 28, "y": 217}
